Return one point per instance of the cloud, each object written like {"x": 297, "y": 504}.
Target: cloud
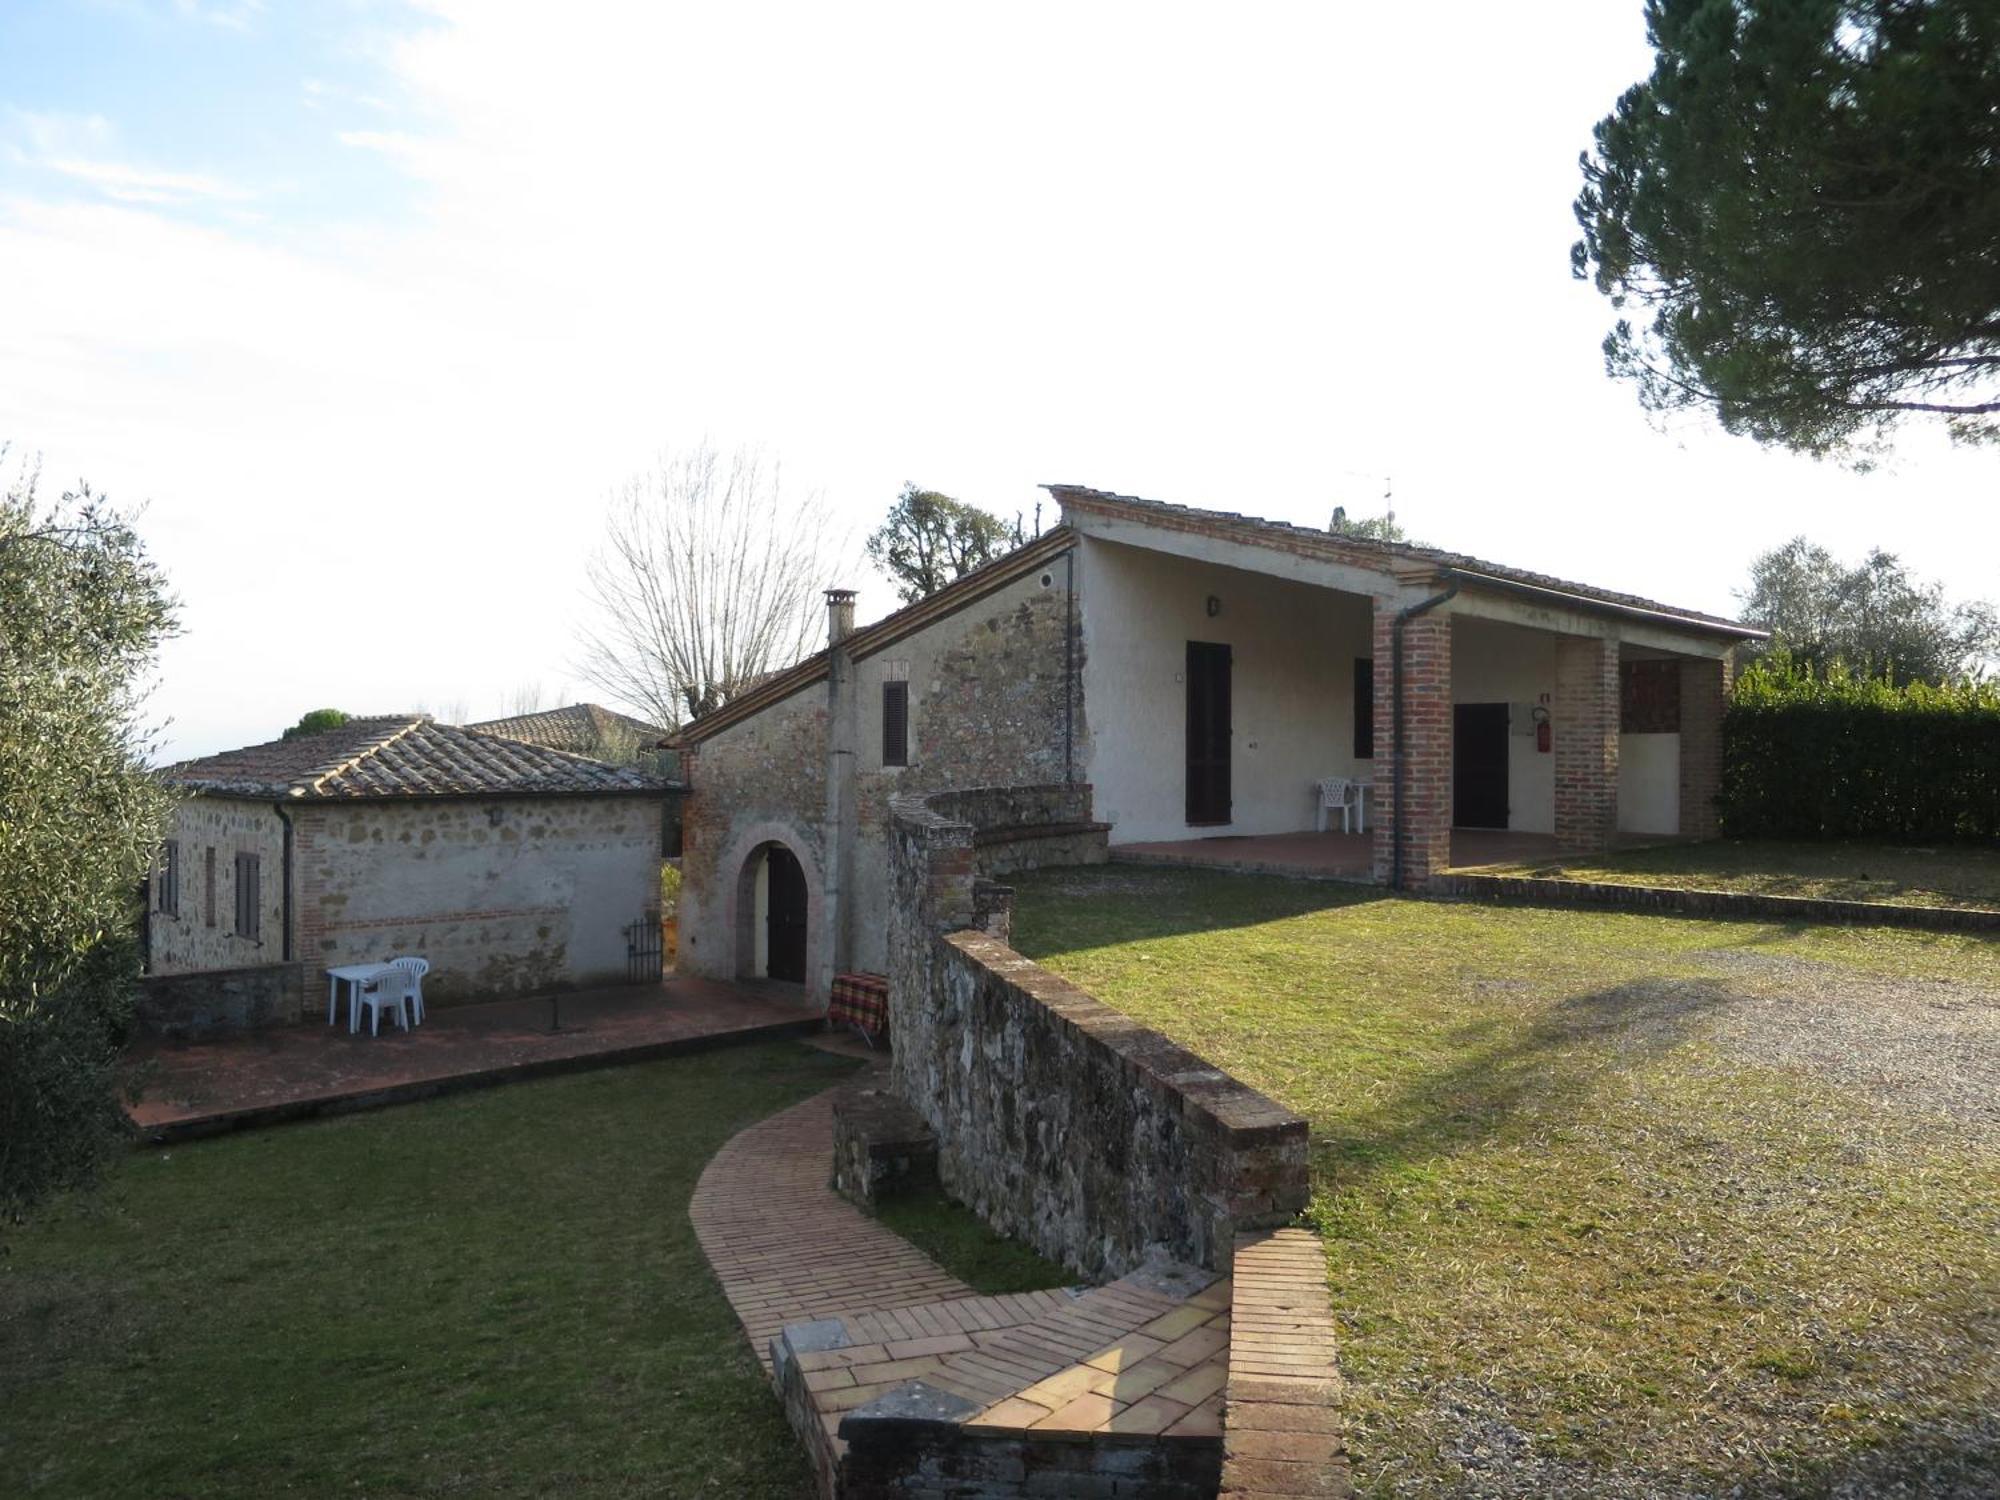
{"x": 231, "y": 17}
{"x": 78, "y": 147}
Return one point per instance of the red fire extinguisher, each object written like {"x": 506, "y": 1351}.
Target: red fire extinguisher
{"x": 1542, "y": 732}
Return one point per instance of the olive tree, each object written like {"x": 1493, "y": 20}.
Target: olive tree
{"x": 82, "y": 613}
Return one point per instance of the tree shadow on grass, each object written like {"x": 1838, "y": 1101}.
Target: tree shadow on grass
{"x": 1936, "y": 1465}
{"x": 1506, "y": 1075}
{"x": 1104, "y": 906}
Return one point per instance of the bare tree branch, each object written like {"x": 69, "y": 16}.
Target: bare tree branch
{"x": 708, "y": 581}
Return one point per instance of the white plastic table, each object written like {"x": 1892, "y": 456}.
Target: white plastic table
{"x": 355, "y": 976}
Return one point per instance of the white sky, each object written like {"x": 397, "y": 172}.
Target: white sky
{"x": 1244, "y": 257}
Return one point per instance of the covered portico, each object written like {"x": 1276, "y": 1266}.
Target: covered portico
{"x": 1232, "y": 663}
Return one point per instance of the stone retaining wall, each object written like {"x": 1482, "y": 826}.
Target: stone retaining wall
{"x": 215, "y": 1002}
{"x": 1540, "y": 891}
{"x": 1059, "y": 1120}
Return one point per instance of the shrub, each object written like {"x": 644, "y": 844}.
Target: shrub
{"x": 1831, "y": 755}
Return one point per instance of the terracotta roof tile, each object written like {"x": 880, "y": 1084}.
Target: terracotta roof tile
{"x": 402, "y": 755}
{"x": 580, "y": 728}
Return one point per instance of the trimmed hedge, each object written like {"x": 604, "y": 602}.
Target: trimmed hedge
{"x": 1830, "y": 755}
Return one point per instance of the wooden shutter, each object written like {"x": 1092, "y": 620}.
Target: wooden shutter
{"x": 208, "y": 885}
{"x": 895, "y": 723}
{"x": 249, "y": 895}
{"x": 170, "y": 877}
{"x": 1364, "y": 708}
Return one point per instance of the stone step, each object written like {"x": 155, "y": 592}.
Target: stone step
{"x": 1121, "y": 1382}
{"x": 826, "y": 1367}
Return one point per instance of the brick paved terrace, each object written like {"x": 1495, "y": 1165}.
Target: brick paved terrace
{"x": 287, "y": 1072}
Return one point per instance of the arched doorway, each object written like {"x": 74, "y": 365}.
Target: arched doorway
{"x": 784, "y": 915}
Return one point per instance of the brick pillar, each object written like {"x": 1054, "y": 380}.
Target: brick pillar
{"x": 1586, "y": 737}
{"x": 1704, "y": 691}
{"x": 1426, "y": 829}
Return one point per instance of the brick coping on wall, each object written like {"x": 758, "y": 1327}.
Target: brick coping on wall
{"x": 1680, "y": 901}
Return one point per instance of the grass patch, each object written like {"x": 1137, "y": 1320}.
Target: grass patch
{"x": 960, "y": 1241}
{"x": 1827, "y": 872}
{"x": 1583, "y": 1237}
{"x": 492, "y": 1294}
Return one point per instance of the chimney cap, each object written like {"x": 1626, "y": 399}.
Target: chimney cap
{"x": 840, "y": 596}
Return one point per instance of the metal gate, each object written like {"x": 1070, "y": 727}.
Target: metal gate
{"x": 642, "y": 950}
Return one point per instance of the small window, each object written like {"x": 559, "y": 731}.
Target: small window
{"x": 895, "y": 723}
{"x": 1364, "y": 708}
{"x": 249, "y": 896}
{"x": 208, "y": 885}
{"x": 168, "y": 890}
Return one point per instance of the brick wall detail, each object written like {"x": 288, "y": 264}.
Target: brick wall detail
{"x": 1704, "y": 693}
{"x": 1586, "y": 743}
{"x": 1427, "y": 714}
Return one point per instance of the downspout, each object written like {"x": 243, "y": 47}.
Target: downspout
{"x": 1069, "y": 668}
{"x": 1423, "y": 606}
{"x": 286, "y": 818}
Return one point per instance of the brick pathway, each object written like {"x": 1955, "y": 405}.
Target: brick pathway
{"x": 787, "y": 1249}
{"x": 1169, "y": 1355}
{"x": 281, "y": 1072}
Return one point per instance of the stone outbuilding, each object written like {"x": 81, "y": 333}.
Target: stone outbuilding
{"x": 1196, "y": 674}
{"x": 513, "y": 868}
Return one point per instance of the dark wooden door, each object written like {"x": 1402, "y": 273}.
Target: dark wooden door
{"x": 1479, "y": 766}
{"x": 1207, "y": 732}
{"x": 785, "y": 918}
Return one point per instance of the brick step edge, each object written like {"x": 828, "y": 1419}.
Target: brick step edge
{"x": 1281, "y": 1432}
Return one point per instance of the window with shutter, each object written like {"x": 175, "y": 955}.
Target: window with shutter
{"x": 1364, "y": 708}
{"x": 249, "y": 895}
{"x": 170, "y": 878}
{"x": 895, "y": 723}
{"x": 208, "y": 886}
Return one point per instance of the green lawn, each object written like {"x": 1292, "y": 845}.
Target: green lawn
{"x": 1841, "y": 872}
{"x": 490, "y": 1294}
{"x": 1614, "y": 1204}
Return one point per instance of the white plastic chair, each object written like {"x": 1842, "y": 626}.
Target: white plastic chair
{"x": 416, "y": 968}
{"x": 1344, "y": 793}
{"x": 390, "y": 988}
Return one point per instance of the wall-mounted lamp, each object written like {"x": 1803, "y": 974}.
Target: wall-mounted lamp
{"x": 1214, "y": 606}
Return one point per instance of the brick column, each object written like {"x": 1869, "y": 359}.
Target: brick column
{"x": 1586, "y": 738}
{"x": 1426, "y": 827}
{"x": 1704, "y": 691}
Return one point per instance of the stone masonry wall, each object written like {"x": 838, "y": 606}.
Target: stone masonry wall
{"x": 1059, "y": 1120}
{"x": 217, "y": 1002}
{"x": 988, "y": 696}
{"x": 504, "y": 896}
{"x": 212, "y": 831}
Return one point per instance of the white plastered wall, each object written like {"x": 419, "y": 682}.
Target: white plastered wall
{"x": 1497, "y": 663}
{"x": 1292, "y": 685}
